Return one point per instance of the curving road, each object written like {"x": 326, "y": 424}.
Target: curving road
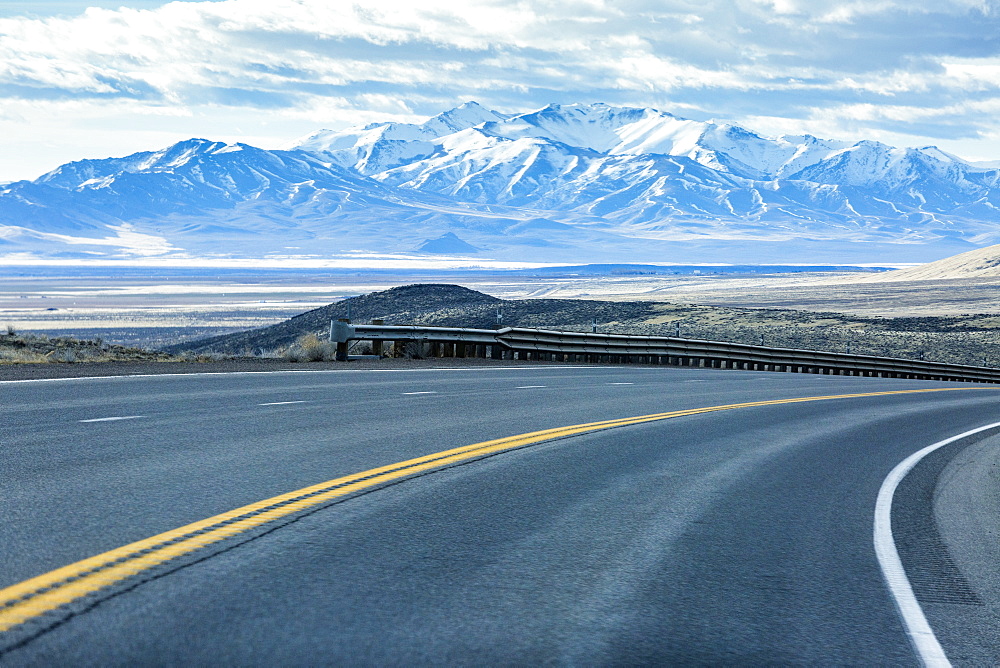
{"x": 741, "y": 535}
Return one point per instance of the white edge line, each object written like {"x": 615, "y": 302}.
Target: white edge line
{"x": 921, "y": 635}
{"x": 257, "y": 373}
{"x": 114, "y": 419}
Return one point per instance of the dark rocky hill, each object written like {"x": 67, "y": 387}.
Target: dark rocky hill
{"x": 427, "y": 304}
{"x": 402, "y": 305}
{"x": 964, "y": 339}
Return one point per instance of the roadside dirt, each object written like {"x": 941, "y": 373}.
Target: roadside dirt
{"x": 99, "y": 369}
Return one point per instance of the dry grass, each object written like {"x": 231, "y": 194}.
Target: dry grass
{"x": 41, "y": 349}
{"x": 14, "y": 356}
{"x": 310, "y": 348}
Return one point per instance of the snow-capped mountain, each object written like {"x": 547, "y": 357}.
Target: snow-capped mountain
{"x": 598, "y": 127}
{"x": 574, "y": 183}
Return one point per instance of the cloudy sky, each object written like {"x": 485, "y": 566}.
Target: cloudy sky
{"x": 96, "y": 79}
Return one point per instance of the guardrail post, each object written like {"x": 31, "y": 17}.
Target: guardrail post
{"x": 341, "y": 333}
{"x": 377, "y": 343}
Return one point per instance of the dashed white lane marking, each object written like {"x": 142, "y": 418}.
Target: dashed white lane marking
{"x": 924, "y": 641}
{"x": 282, "y": 403}
{"x": 115, "y": 419}
{"x": 419, "y": 392}
{"x": 527, "y": 387}
{"x": 621, "y": 383}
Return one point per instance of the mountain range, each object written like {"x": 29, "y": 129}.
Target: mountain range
{"x": 576, "y": 183}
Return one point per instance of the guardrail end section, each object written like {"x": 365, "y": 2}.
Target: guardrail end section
{"x": 341, "y": 332}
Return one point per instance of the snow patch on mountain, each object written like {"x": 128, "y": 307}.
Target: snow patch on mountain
{"x": 125, "y": 240}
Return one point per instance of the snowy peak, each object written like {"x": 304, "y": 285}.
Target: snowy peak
{"x": 84, "y": 172}
{"x": 639, "y": 131}
{"x": 377, "y": 147}
{"x": 466, "y": 116}
{"x": 597, "y": 127}
{"x": 871, "y": 164}
{"x": 179, "y": 155}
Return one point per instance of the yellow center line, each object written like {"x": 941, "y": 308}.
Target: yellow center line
{"x": 44, "y": 593}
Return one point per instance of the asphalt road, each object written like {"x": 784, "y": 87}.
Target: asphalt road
{"x": 737, "y": 536}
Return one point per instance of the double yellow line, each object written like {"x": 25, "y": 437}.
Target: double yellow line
{"x": 44, "y": 593}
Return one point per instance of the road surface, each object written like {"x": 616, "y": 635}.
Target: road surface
{"x": 742, "y": 535}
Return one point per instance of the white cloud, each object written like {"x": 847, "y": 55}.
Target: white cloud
{"x": 275, "y": 68}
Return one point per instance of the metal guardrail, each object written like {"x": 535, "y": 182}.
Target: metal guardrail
{"x": 554, "y": 345}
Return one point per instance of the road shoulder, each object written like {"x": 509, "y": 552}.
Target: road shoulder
{"x": 967, "y": 513}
